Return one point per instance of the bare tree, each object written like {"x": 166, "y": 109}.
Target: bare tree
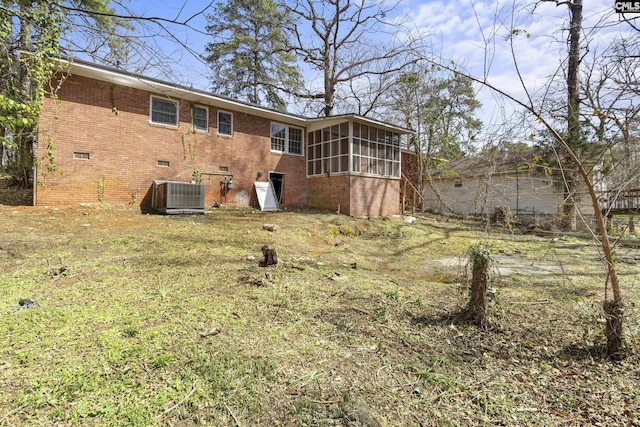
{"x": 140, "y": 43}
{"x": 568, "y": 137}
{"x": 335, "y": 37}
{"x": 612, "y": 108}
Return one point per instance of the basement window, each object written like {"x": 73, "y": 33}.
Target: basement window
{"x": 81, "y": 156}
{"x": 164, "y": 163}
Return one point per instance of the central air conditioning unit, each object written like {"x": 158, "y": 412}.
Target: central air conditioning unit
{"x": 173, "y": 197}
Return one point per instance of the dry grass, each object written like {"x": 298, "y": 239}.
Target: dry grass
{"x": 152, "y": 320}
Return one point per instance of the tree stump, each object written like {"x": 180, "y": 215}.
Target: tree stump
{"x": 477, "y": 307}
{"x": 502, "y": 216}
{"x": 270, "y": 255}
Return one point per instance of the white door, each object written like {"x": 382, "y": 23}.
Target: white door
{"x": 266, "y": 196}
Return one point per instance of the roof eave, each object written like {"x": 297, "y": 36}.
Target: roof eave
{"x": 322, "y": 122}
{"x": 169, "y": 90}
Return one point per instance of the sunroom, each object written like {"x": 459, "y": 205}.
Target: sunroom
{"x": 353, "y": 165}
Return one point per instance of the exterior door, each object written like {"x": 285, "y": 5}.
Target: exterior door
{"x": 277, "y": 180}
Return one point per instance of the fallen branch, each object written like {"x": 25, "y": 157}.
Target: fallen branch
{"x": 188, "y": 395}
{"x": 12, "y": 412}
{"x": 544, "y": 301}
{"x": 232, "y": 415}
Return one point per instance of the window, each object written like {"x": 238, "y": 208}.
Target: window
{"x": 457, "y": 184}
{"x": 81, "y": 156}
{"x": 278, "y": 137}
{"x": 164, "y": 163}
{"x": 295, "y": 141}
{"x": 225, "y": 123}
{"x": 200, "y": 118}
{"x": 164, "y": 111}
{"x": 369, "y": 150}
{"x": 286, "y": 139}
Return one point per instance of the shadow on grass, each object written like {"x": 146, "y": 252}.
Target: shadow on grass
{"x": 578, "y": 352}
{"x": 504, "y": 340}
{"x": 457, "y": 317}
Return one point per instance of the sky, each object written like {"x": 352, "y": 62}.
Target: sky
{"x": 479, "y": 34}
{"x": 476, "y": 35}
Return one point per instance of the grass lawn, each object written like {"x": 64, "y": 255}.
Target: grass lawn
{"x": 170, "y": 320}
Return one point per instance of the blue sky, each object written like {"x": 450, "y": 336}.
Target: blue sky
{"x": 475, "y": 34}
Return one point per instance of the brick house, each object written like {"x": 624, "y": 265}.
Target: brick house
{"x": 114, "y": 134}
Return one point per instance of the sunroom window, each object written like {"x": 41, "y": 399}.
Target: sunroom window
{"x": 374, "y": 151}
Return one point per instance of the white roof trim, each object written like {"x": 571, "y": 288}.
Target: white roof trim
{"x": 323, "y": 122}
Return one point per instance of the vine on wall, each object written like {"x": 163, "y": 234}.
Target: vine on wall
{"x": 189, "y": 147}
{"x": 32, "y": 30}
{"x": 112, "y": 97}
{"x": 101, "y": 185}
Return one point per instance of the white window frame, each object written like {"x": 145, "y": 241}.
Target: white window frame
{"x": 231, "y": 124}
{"x": 177, "y": 122}
{"x": 286, "y": 149}
{"x": 371, "y": 151}
{"x": 206, "y": 117}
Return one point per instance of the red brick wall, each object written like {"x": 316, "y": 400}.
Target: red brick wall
{"x": 374, "y": 197}
{"x": 330, "y": 193}
{"x": 124, "y": 150}
{"x": 361, "y": 196}
{"x": 410, "y": 170}
{"x": 410, "y": 166}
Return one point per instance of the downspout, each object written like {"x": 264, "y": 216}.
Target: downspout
{"x": 35, "y": 186}
{"x": 35, "y": 172}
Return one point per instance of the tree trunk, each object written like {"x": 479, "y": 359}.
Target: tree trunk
{"x": 24, "y": 141}
{"x": 614, "y": 314}
{"x": 573, "y": 114}
{"x": 613, "y": 309}
{"x": 477, "y": 307}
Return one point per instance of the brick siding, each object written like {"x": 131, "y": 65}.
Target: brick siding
{"x": 330, "y": 193}
{"x": 410, "y": 166}
{"x": 111, "y": 124}
{"x": 374, "y": 197}
{"x": 360, "y": 196}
